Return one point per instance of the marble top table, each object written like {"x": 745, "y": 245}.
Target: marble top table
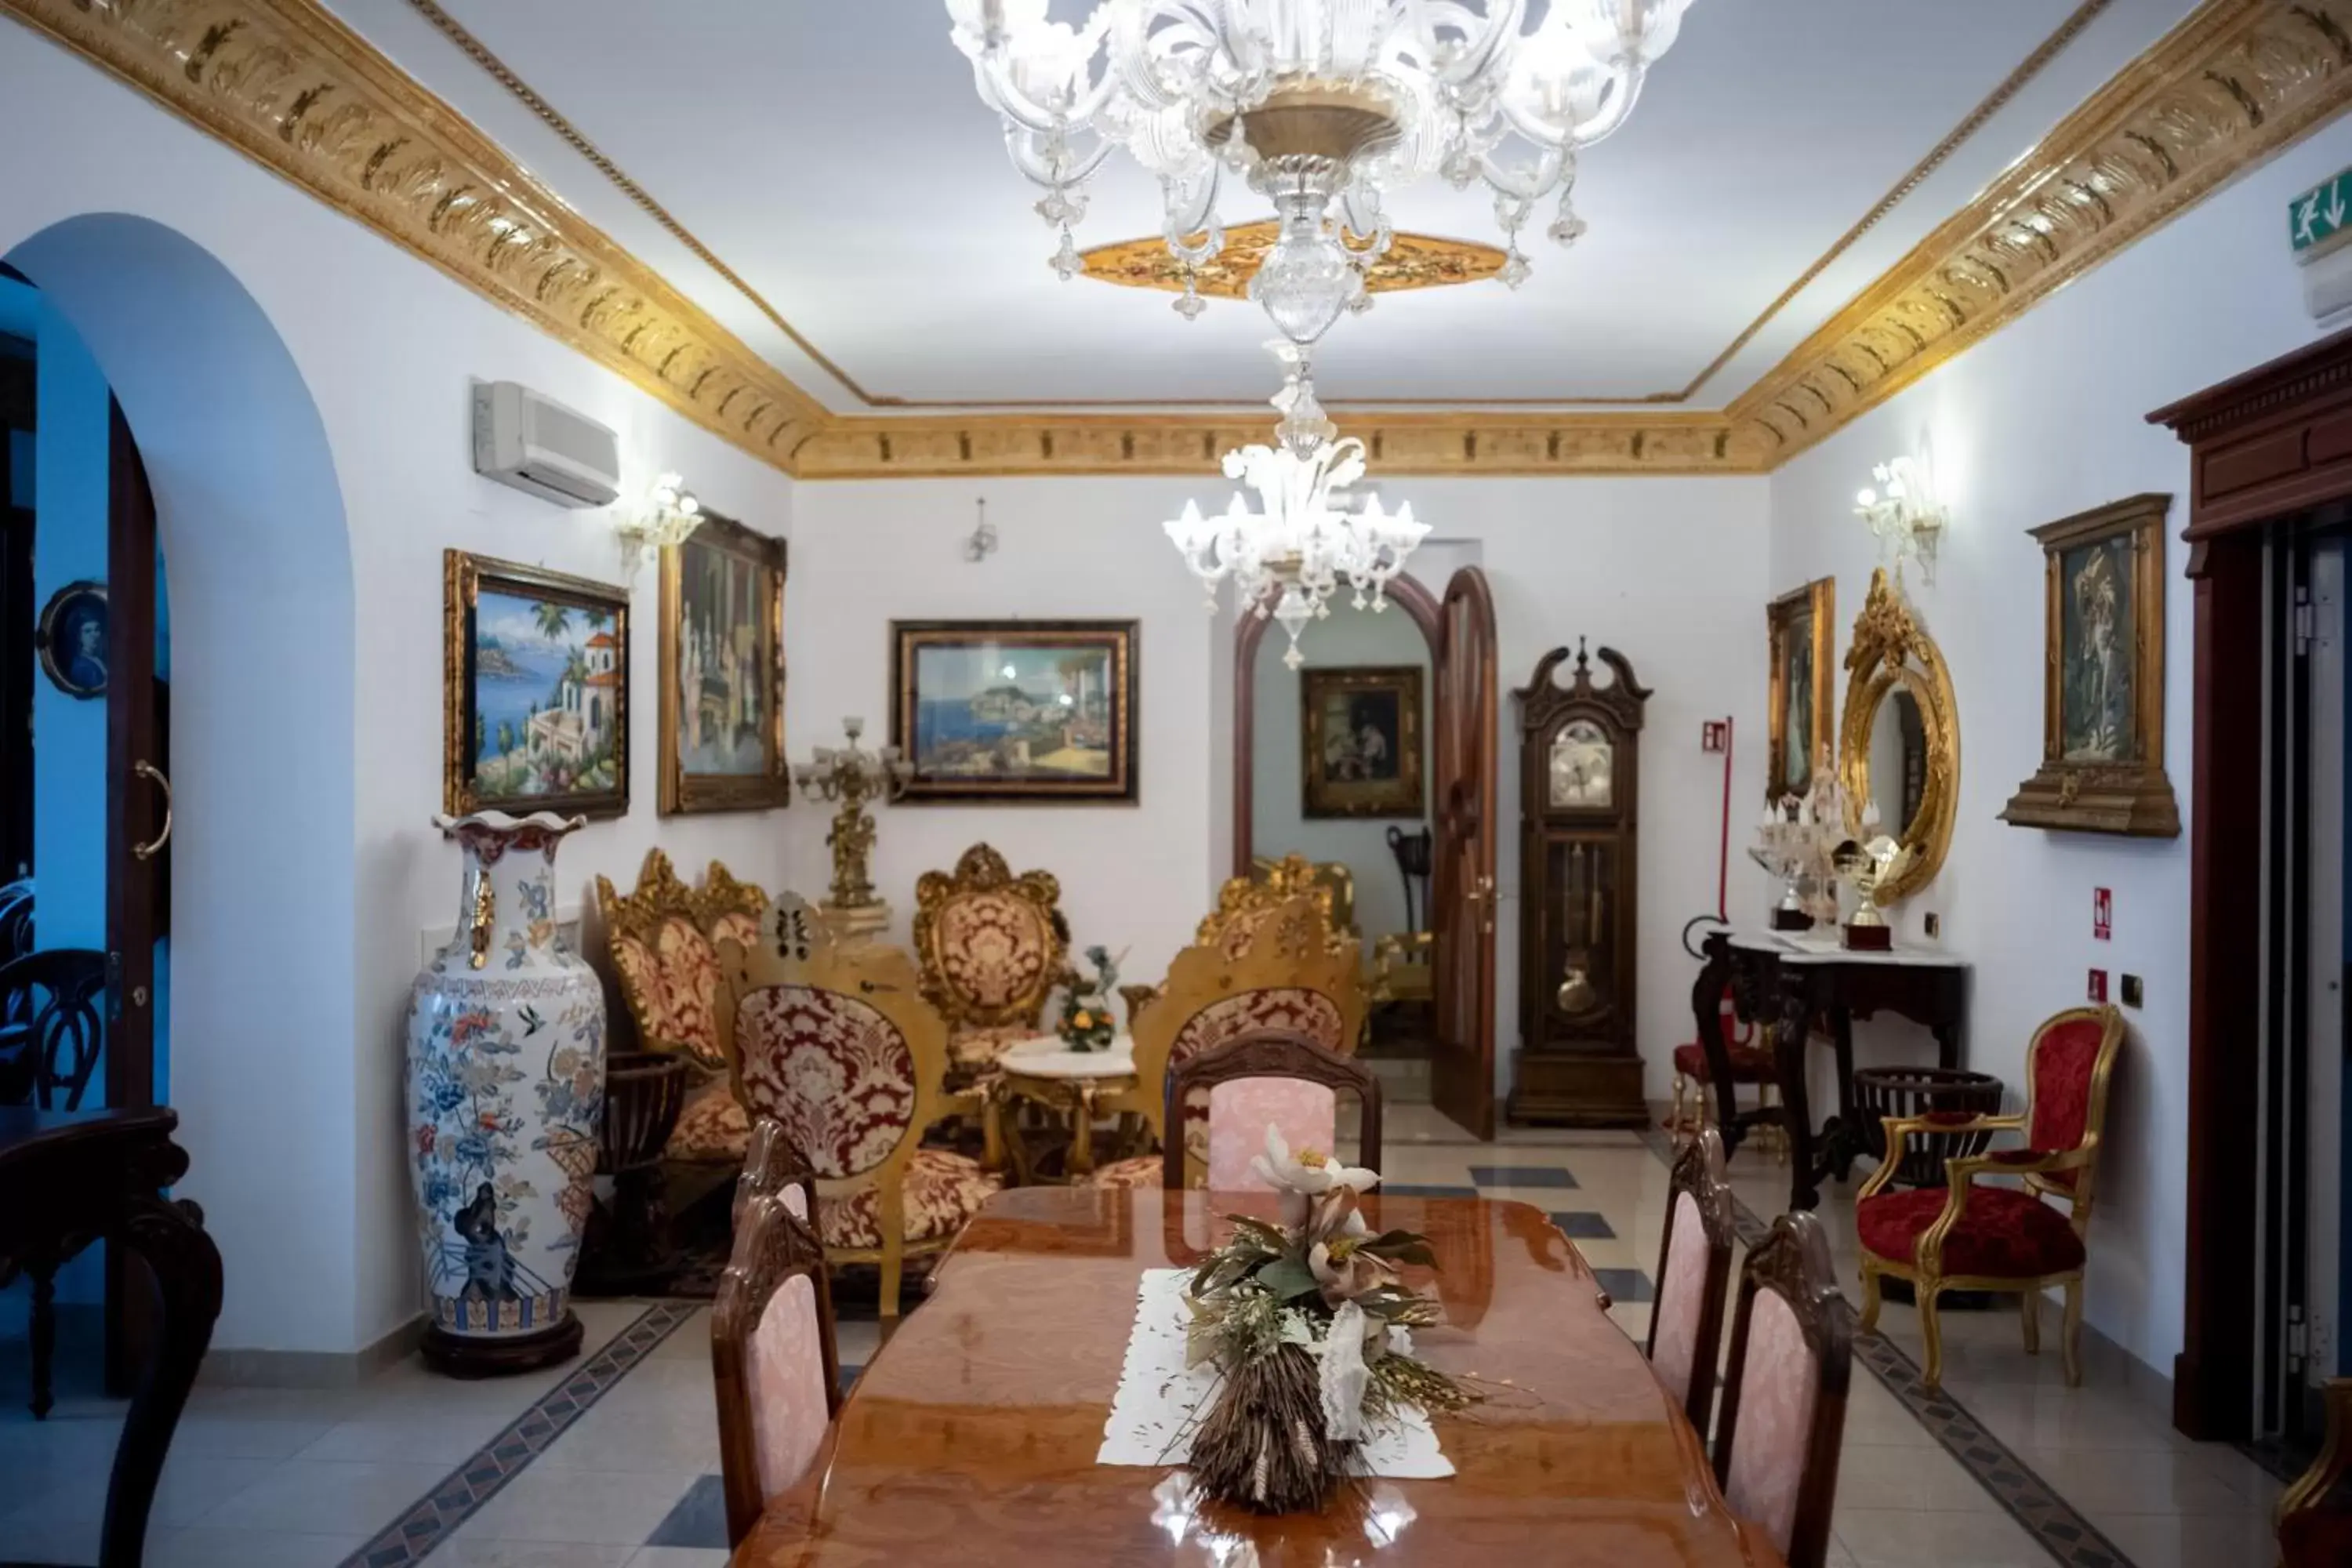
{"x": 1045, "y": 1055}
{"x": 1077, "y": 1086}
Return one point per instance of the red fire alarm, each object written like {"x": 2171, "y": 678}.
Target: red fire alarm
{"x": 2098, "y": 985}
{"x": 2103, "y": 915}
{"x": 1715, "y": 735}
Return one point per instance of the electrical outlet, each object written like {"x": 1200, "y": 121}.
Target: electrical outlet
{"x": 1934, "y": 925}
{"x": 2132, "y": 992}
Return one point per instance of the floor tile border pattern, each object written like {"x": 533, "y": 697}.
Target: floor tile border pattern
{"x": 2050, "y": 1519}
{"x": 435, "y": 1517}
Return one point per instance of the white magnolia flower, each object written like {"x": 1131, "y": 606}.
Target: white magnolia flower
{"x": 1311, "y": 1174}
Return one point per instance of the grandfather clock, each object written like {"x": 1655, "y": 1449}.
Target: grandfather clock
{"x": 1579, "y": 791}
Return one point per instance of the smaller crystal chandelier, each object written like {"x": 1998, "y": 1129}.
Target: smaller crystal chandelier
{"x": 1304, "y": 540}
{"x": 1902, "y": 510}
{"x": 668, "y": 514}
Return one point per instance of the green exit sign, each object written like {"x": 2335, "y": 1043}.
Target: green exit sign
{"x": 2320, "y": 215}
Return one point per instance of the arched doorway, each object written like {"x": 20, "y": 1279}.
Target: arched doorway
{"x": 262, "y": 1038}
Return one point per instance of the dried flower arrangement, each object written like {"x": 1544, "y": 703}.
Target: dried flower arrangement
{"x": 1088, "y": 1022}
{"x": 1309, "y": 1323}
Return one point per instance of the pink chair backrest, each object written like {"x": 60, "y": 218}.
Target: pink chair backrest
{"x": 1240, "y": 1110}
{"x": 785, "y": 1369}
{"x": 836, "y": 1073}
{"x": 1682, "y": 1299}
{"x": 1780, "y": 1384}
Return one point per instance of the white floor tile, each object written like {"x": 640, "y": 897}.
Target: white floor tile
{"x": 466, "y": 1553}
{"x": 596, "y": 1508}
{"x": 328, "y": 1497}
{"x": 680, "y": 1557}
{"x": 208, "y": 1548}
{"x": 1891, "y": 1538}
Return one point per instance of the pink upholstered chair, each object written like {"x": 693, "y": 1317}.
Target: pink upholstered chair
{"x": 1269, "y": 1077}
{"x": 774, "y": 1167}
{"x": 993, "y": 946}
{"x": 1967, "y": 1237}
{"x": 837, "y": 1047}
{"x": 772, "y": 1354}
{"x": 1291, "y": 978}
{"x": 1694, "y": 1271}
{"x": 1783, "y": 1422}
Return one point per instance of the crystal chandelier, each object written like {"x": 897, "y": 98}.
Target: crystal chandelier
{"x": 1295, "y": 551}
{"x": 1324, "y": 106}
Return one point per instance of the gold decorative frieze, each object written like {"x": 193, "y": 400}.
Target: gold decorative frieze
{"x": 2230, "y": 86}
{"x": 289, "y": 85}
{"x": 1410, "y": 261}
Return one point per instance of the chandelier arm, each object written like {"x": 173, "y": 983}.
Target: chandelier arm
{"x": 1500, "y": 35}
{"x": 1003, "y": 93}
{"x": 1529, "y": 185}
{"x": 1038, "y": 169}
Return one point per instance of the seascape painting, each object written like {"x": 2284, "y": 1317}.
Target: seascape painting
{"x": 1017, "y": 711}
{"x": 722, "y": 703}
{"x": 537, "y": 674}
{"x": 2097, "y": 700}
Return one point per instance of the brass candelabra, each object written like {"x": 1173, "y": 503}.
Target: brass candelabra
{"x": 853, "y": 778}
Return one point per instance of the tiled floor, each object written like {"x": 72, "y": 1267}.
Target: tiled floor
{"x": 614, "y": 1460}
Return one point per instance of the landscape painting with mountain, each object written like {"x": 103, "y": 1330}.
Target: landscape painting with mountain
{"x": 542, "y": 680}
{"x": 990, "y": 710}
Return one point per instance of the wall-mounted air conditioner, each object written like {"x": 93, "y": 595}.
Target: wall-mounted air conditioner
{"x": 528, "y": 440}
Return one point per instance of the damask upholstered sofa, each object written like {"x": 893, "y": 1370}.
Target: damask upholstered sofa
{"x": 661, "y": 940}
{"x": 993, "y": 946}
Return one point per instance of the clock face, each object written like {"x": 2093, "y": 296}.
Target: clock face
{"x": 1584, "y": 766}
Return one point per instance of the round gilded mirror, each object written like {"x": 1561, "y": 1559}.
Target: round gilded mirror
{"x": 1899, "y": 740}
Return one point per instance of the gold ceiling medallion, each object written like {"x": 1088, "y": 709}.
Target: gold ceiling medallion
{"x": 1413, "y": 261}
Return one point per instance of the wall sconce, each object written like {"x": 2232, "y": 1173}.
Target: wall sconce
{"x": 1903, "y": 511}
{"x": 666, "y": 516}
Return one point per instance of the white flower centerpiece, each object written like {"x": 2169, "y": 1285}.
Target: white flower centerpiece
{"x": 1309, "y": 1323}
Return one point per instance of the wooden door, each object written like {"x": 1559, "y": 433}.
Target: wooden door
{"x": 1462, "y": 1069}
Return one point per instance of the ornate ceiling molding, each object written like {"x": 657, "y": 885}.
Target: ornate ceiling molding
{"x": 293, "y": 88}
{"x": 2233, "y": 84}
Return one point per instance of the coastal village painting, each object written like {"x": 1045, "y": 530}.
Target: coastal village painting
{"x": 536, "y": 669}
{"x": 1020, "y": 710}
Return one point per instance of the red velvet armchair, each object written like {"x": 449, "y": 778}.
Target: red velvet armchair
{"x": 1967, "y": 1237}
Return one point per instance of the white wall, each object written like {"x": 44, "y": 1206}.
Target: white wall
{"x": 1668, "y": 571}
{"x": 2043, "y": 420}
{"x": 1278, "y": 821}
{"x": 287, "y": 1056}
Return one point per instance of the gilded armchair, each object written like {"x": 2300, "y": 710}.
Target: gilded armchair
{"x": 838, "y": 1046}
{"x": 1967, "y": 1237}
{"x": 1289, "y": 976}
{"x": 1243, "y": 903}
{"x": 662, "y": 943}
{"x": 993, "y": 946}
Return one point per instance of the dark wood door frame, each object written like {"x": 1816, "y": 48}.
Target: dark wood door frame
{"x": 1249, "y": 631}
{"x": 2263, "y": 446}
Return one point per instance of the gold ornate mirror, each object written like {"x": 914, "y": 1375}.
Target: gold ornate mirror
{"x": 1899, "y": 739}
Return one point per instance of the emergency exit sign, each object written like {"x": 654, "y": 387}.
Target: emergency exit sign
{"x": 2320, "y": 215}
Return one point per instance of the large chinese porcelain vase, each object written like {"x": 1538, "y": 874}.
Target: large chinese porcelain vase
{"x": 505, "y": 1099}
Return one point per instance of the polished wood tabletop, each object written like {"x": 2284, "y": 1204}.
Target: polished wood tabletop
{"x": 970, "y": 1438}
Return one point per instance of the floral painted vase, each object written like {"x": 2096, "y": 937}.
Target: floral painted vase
{"x": 506, "y": 1104}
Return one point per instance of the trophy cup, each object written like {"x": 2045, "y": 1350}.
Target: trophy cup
{"x": 1862, "y": 867}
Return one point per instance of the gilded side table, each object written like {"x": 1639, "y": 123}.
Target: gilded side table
{"x": 1073, "y": 1086}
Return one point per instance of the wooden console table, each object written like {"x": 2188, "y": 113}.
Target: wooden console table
{"x": 1788, "y": 980}
{"x": 69, "y": 1178}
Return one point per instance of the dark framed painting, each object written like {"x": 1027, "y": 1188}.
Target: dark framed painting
{"x": 722, "y": 671}
{"x": 1360, "y": 729}
{"x": 1015, "y": 711}
{"x": 1801, "y": 627}
{"x": 535, "y": 690}
{"x": 72, "y": 639}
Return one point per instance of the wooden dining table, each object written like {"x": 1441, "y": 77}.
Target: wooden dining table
{"x": 972, "y": 1435}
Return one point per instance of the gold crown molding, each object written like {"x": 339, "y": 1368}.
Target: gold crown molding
{"x": 1192, "y": 445}
{"x": 293, "y": 88}
{"x": 2233, "y": 84}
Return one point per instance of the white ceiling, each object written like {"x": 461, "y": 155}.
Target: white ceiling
{"x": 833, "y": 154}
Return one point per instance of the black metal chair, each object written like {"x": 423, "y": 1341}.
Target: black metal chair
{"x": 52, "y": 1028}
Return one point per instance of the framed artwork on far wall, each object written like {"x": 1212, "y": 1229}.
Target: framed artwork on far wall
{"x": 1361, "y": 731}
{"x": 1801, "y": 627}
{"x": 1015, "y": 711}
{"x": 72, "y": 639}
{"x": 535, "y": 690}
{"x": 722, "y": 671}
{"x": 2103, "y": 677}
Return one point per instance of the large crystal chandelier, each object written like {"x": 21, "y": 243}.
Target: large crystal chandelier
{"x": 1324, "y": 106}
{"x": 1288, "y": 559}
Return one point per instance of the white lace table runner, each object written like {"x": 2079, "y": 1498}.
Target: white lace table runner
{"x": 1151, "y": 1414}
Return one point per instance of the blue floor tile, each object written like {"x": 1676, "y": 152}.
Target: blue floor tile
{"x": 1414, "y": 1190}
{"x": 1522, "y": 1177}
{"x": 699, "y": 1518}
{"x": 1584, "y": 1226}
{"x": 1625, "y": 1285}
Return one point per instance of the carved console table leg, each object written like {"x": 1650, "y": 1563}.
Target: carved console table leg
{"x": 1791, "y": 1038}
{"x": 1842, "y": 1139}
{"x": 1706, "y": 1017}
{"x": 187, "y": 1270}
{"x": 44, "y": 1327}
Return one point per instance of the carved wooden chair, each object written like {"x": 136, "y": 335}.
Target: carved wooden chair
{"x": 52, "y": 1028}
{"x": 1266, "y": 1078}
{"x": 773, "y": 1358}
{"x": 2315, "y": 1520}
{"x": 1967, "y": 1237}
{"x": 663, "y": 941}
{"x": 1783, "y": 1422}
{"x": 837, "y": 1046}
{"x": 774, "y": 1167}
{"x": 993, "y": 946}
{"x": 1752, "y": 1064}
{"x": 1245, "y": 903}
{"x": 1288, "y": 977}
{"x": 1694, "y": 1273}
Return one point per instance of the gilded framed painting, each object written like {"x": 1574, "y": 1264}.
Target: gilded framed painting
{"x": 722, "y": 671}
{"x": 1802, "y": 628}
{"x": 535, "y": 690}
{"x": 1015, "y": 711}
{"x": 1360, "y": 736}
{"x": 2102, "y": 675}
